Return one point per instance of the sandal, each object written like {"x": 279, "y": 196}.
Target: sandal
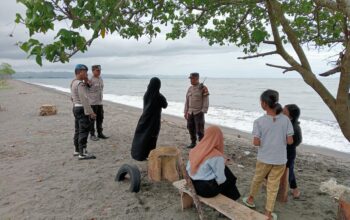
{"x": 274, "y": 216}
{"x": 246, "y": 203}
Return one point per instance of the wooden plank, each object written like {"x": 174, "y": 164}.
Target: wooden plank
{"x": 282, "y": 195}
{"x": 186, "y": 200}
{"x": 225, "y": 205}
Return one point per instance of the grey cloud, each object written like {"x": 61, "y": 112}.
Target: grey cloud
{"x": 121, "y": 56}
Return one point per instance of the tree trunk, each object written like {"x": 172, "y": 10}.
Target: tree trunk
{"x": 342, "y": 103}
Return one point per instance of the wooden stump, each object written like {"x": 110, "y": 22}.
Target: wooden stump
{"x": 46, "y": 110}
{"x": 163, "y": 164}
{"x": 282, "y": 195}
{"x": 344, "y": 207}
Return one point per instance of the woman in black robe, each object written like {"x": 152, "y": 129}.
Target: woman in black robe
{"x": 147, "y": 130}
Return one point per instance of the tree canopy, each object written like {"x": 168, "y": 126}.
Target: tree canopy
{"x": 248, "y": 24}
{"x": 6, "y": 70}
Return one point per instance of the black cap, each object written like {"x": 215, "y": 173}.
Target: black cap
{"x": 96, "y": 67}
{"x": 194, "y": 75}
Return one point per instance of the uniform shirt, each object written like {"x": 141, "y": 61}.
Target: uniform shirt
{"x": 212, "y": 168}
{"x": 273, "y": 138}
{"x": 95, "y": 91}
{"x": 79, "y": 95}
{"x": 196, "y": 102}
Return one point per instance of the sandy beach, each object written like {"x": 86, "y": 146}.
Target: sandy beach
{"x": 40, "y": 178}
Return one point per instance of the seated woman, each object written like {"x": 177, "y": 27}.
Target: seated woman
{"x": 207, "y": 167}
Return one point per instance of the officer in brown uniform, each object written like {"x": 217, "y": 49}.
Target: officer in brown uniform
{"x": 95, "y": 94}
{"x": 196, "y": 105}
{"x": 82, "y": 111}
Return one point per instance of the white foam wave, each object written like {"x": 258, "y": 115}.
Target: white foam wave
{"x": 53, "y": 87}
{"x": 325, "y": 134}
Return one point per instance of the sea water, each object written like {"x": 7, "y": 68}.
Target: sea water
{"x": 234, "y": 102}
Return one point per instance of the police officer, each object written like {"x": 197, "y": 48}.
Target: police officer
{"x": 196, "y": 105}
{"x": 82, "y": 111}
{"x": 95, "y": 94}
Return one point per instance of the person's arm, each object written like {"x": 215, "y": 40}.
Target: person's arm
{"x": 205, "y": 105}
{"x": 217, "y": 164}
{"x": 186, "y": 105}
{"x": 257, "y": 134}
{"x": 84, "y": 100}
{"x": 290, "y": 133}
{"x": 163, "y": 102}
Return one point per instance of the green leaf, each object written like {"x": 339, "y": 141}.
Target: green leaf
{"x": 258, "y": 35}
{"x": 38, "y": 60}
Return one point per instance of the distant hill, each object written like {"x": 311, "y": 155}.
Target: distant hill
{"x": 51, "y": 74}
{"x": 26, "y": 75}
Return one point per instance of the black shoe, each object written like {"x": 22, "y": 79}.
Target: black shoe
{"x": 102, "y": 136}
{"x": 93, "y": 138}
{"x": 192, "y": 145}
{"x": 86, "y": 157}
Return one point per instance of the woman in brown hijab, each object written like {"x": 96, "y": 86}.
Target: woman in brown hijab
{"x": 207, "y": 167}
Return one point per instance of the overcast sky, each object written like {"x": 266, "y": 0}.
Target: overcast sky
{"x": 161, "y": 57}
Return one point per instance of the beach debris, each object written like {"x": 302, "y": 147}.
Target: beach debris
{"x": 163, "y": 164}
{"x": 240, "y": 166}
{"x": 134, "y": 174}
{"x": 47, "y": 109}
{"x": 334, "y": 189}
{"x": 246, "y": 153}
{"x": 239, "y": 136}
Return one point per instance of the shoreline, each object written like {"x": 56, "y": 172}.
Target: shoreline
{"x": 302, "y": 148}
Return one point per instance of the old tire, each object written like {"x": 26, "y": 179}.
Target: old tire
{"x": 134, "y": 173}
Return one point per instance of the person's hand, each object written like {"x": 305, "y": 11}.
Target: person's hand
{"x": 186, "y": 116}
{"x": 205, "y": 90}
{"x": 93, "y": 116}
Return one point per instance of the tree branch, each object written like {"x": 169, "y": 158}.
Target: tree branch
{"x": 258, "y": 55}
{"x": 291, "y": 35}
{"x": 286, "y": 68}
{"x": 269, "y": 42}
{"x": 76, "y": 50}
{"x": 307, "y": 75}
{"x": 342, "y": 6}
{"x": 330, "y": 72}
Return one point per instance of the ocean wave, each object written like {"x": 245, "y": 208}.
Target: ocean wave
{"x": 313, "y": 130}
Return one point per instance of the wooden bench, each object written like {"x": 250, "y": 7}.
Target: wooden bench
{"x": 223, "y": 204}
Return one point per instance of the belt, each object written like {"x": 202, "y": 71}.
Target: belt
{"x": 78, "y": 105}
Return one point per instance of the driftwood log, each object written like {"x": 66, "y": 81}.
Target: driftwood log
{"x": 282, "y": 195}
{"x": 163, "y": 164}
{"x": 46, "y": 110}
